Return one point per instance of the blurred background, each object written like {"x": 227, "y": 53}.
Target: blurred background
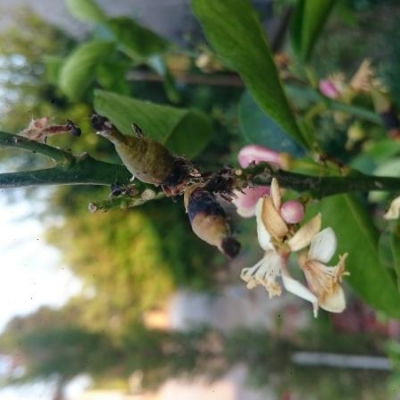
{"x": 129, "y": 304}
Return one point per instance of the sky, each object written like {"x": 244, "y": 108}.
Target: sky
{"x": 31, "y": 275}
{"x": 31, "y": 272}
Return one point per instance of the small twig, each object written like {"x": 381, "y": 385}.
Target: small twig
{"x": 61, "y": 157}
{"x": 121, "y": 202}
{"x": 191, "y": 79}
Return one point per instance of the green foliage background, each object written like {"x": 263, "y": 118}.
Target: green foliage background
{"x": 131, "y": 261}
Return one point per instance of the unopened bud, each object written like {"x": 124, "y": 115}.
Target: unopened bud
{"x": 246, "y": 200}
{"x": 148, "y": 194}
{"x": 292, "y": 211}
{"x": 256, "y": 153}
{"x": 329, "y": 89}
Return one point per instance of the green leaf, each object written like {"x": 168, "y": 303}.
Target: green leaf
{"x": 182, "y": 131}
{"x": 395, "y": 247}
{"x": 53, "y": 66}
{"x": 358, "y": 236}
{"x": 390, "y": 167}
{"x": 78, "y": 71}
{"x": 135, "y": 40}
{"x": 232, "y": 28}
{"x": 389, "y": 249}
{"x": 158, "y": 64}
{"x": 258, "y": 128}
{"x": 307, "y": 22}
{"x": 86, "y": 10}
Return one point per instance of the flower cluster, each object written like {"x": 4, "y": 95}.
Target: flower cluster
{"x": 279, "y": 238}
{"x": 364, "y": 80}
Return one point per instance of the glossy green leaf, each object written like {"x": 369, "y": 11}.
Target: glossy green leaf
{"x": 307, "y": 23}
{"x": 78, "y": 71}
{"x": 182, "y": 131}
{"x": 135, "y": 40}
{"x": 258, "y": 128}
{"x": 232, "y": 28}
{"x": 395, "y": 247}
{"x": 86, "y": 10}
{"x": 389, "y": 249}
{"x": 358, "y": 237}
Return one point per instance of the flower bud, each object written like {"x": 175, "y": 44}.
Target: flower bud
{"x": 292, "y": 211}
{"x": 329, "y": 89}
{"x": 256, "y": 153}
{"x": 209, "y": 220}
{"x": 246, "y": 200}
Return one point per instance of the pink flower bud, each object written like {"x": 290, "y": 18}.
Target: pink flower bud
{"x": 329, "y": 89}
{"x": 246, "y": 201}
{"x": 257, "y": 153}
{"x": 292, "y": 211}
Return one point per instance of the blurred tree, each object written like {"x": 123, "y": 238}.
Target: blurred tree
{"x": 26, "y": 92}
{"x": 50, "y": 344}
{"x": 130, "y": 261}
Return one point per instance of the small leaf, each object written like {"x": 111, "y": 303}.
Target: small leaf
{"x": 134, "y": 39}
{"x": 258, "y": 128}
{"x": 86, "y": 10}
{"x": 358, "y": 236}
{"x": 78, "y": 71}
{"x": 308, "y": 20}
{"x": 232, "y": 28}
{"x": 182, "y": 131}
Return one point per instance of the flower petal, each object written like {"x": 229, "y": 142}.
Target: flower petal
{"x": 394, "y": 209}
{"x": 323, "y": 246}
{"x": 265, "y": 273}
{"x": 264, "y": 238}
{"x": 305, "y": 234}
{"x": 297, "y": 288}
{"x": 272, "y": 219}
{"x": 275, "y": 194}
{"x": 335, "y": 303}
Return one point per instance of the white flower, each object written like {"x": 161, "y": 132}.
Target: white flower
{"x": 394, "y": 209}
{"x": 324, "y": 281}
{"x": 275, "y": 236}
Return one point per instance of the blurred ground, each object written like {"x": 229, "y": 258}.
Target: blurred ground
{"x": 232, "y": 308}
{"x": 235, "y": 307}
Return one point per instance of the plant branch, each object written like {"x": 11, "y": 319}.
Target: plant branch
{"x": 85, "y": 170}
{"x": 81, "y": 170}
{"x": 61, "y": 157}
{"x": 320, "y": 186}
